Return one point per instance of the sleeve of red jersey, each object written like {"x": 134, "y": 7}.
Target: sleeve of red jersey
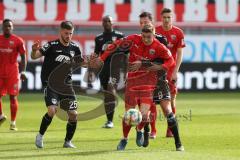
{"x": 114, "y": 46}
{"x": 181, "y": 42}
{"x": 110, "y": 49}
{"x": 167, "y": 56}
{"x": 21, "y": 46}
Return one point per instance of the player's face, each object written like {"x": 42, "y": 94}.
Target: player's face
{"x": 147, "y": 38}
{"x": 107, "y": 23}
{"x": 7, "y": 28}
{"x": 167, "y": 19}
{"x": 66, "y": 35}
{"x": 144, "y": 20}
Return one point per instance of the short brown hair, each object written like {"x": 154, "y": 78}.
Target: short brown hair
{"x": 67, "y": 25}
{"x": 166, "y": 10}
{"x": 148, "y": 28}
{"x": 146, "y": 14}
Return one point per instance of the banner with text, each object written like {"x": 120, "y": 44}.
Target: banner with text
{"x": 194, "y": 77}
{"x": 79, "y": 11}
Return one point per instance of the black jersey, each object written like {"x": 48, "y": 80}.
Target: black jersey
{"x": 162, "y": 39}
{"x": 56, "y": 54}
{"x": 103, "y": 40}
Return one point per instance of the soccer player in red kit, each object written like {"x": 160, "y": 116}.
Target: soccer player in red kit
{"x": 10, "y": 47}
{"x": 141, "y": 78}
{"x": 175, "y": 38}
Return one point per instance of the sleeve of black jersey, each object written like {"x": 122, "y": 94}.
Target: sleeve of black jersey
{"x": 78, "y": 55}
{"x": 162, "y": 39}
{"x": 45, "y": 49}
{"x": 97, "y": 48}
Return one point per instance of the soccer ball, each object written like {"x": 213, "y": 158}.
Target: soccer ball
{"x": 132, "y": 117}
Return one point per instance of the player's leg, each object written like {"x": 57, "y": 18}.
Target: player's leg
{"x": 145, "y": 104}
{"x": 2, "y": 93}
{"x": 130, "y": 102}
{"x": 109, "y": 99}
{"x": 173, "y": 90}
{"x": 110, "y": 103}
{"x": 13, "y": 91}
{"x": 153, "y": 117}
{"x": 172, "y": 123}
{"x": 2, "y": 116}
{"x": 72, "y": 122}
{"x": 51, "y": 101}
{"x": 13, "y": 109}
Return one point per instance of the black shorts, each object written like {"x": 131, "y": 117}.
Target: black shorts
{"x": 66, "y": 102}
{"x": 162, "y": 92}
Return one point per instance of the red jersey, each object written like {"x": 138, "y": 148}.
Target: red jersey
{"x": 139, "y": 51}
{"x": 10, "y": 48}
{"x": 175, "y": 38}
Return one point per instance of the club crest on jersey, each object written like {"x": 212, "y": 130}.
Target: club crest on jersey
{"x": 54, "y": 101}
{"x": 173, "y": 37}
{"x": 152, "y": 51}
{"x": 72, "y": 53}
{"x": 114, "y": 38}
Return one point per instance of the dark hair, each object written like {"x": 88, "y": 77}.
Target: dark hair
{"x": 7, "y": 20}
{"x": 146, "y": 14}
{"x": 166, "y": 10}
{"x": 67, "y": 25}
{"x": 148, "y": 28}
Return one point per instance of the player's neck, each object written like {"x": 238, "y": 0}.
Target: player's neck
{"x": 7, "y": 35}
{"x": 167, "y": 27}
{"x": 64, "y": 43}
{"x": 108, "y": 30}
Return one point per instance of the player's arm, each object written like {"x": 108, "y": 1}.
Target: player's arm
{"x": 178, "y": 63}
{"x": 180, "y": 46}
{"x": 23, "y": 60}
{"x": 35, "y": 54}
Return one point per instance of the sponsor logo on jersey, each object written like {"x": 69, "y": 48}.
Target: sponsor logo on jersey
{"x": 72, "y": 53}
{"x": 152, "y": 51}
{"x": 11, "y": 43}
{"x": 54, "y": 101}
{"x": 62, "y": 58}
{"x": 58, "y": 51}
{"x": 6, "y": 50}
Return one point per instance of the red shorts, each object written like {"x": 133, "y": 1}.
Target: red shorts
{"x": 9, "y": 81}
{"x": 134, "y": 98}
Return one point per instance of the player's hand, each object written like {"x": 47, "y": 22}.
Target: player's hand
{"x": 154, "y": 67}
{"x": 132, "y": 67}
{"x": 36, "y": 46}
{"x": 23, "y": 76}
{"x": 95, "y": 63}
{"x": 174, "y": 77}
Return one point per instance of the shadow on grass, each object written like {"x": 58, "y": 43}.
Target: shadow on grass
{"x": 78, "y": 153}
{"x": 59, "y": 141}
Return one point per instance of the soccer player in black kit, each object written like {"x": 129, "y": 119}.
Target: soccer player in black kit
{"x": 108, "y": 82}
{"x": 56, "y": 53}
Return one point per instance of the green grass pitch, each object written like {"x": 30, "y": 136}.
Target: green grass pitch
{"x": 209, "y": 127}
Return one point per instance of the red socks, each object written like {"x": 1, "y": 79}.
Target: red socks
{"x": 126, "y": 129}
{"x": 1, "y": 106}
{"x": 153, "y": 116}
{"x": 14, "y": 108}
